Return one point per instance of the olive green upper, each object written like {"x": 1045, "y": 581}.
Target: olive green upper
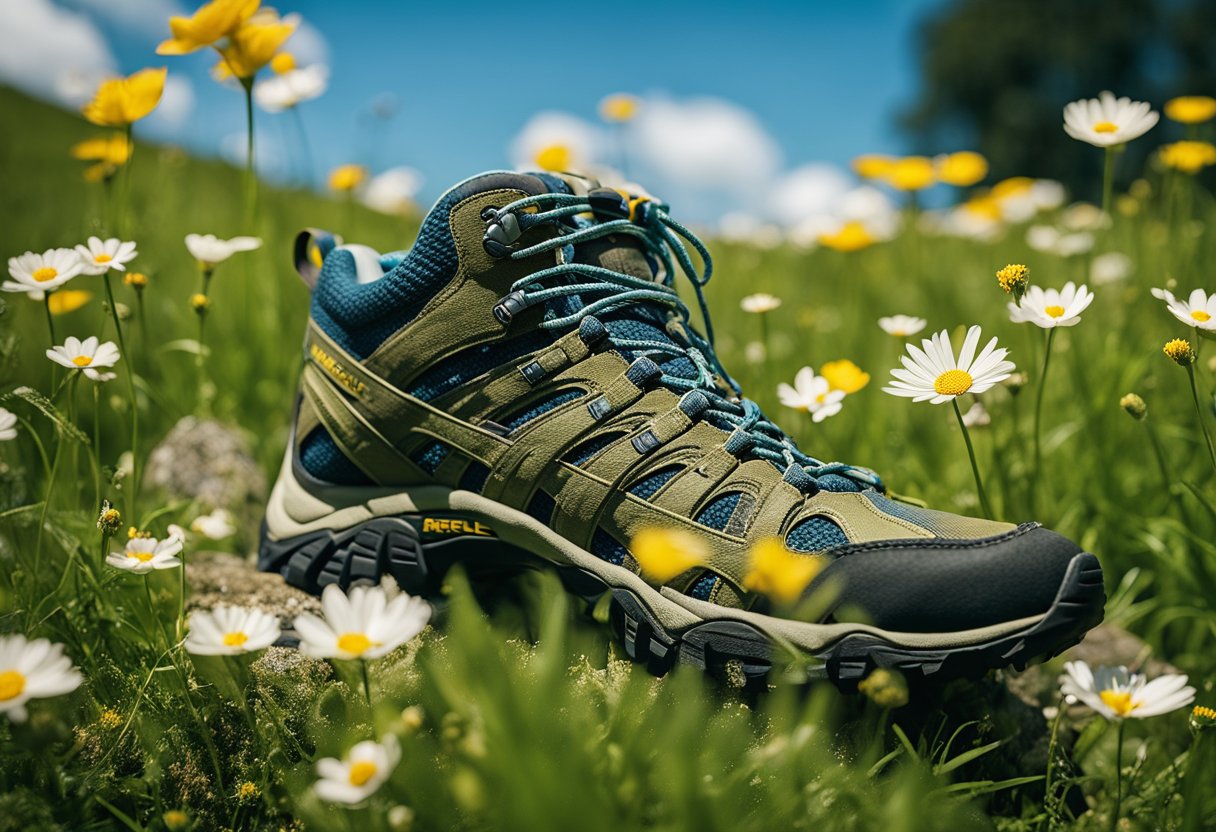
{"x": 379, "y": 427}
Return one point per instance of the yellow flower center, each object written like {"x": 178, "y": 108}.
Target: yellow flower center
{"x": 361, "y": 772}
{"x": 355, "y": 643}
{"x": 235, "y": 639}
{"x": 1105, "y": 127}
{"x": 82, "y": 361}
{"x": 44, "y": 274}
{"x": 953, "y": 383}
{"x": 1119, "y": 701}
{"x": 1054, "y": 311}
{"x": 142, "y": 557}
{"x": 554, "y": 157}
{"x": 103, "y": 258}
{"x": 11, "y": 685}
{"x": 821, "y": 398}
{"x": 1201, "y": 316}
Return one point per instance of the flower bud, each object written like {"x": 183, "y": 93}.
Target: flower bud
{"x": 1134, "y": 405}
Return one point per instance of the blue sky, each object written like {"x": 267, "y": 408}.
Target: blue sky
{"x": 823, "y": 80}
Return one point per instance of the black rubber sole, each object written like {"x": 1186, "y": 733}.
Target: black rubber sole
{"x": 733, "y": 651}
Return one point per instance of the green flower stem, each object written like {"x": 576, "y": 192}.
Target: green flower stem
{"x": 1159, "y": 454}
{"x": 1108, "y": 179}
{"x": 181, "y": 597}
{"x": 1118, "y": 808}
{"x": 251, "y": 182}
{"x": 46, "y": 464}
{"x": 367, "y": 685}
{"x": 50, "y": 319}
{"x": 1203, "y": 425}
{"x": 97, "y": 445}
{"x": 201, "y": 360}
{"x": 1038, "y": 413}
{"x": 46, "y": 503}
{"x": 768, "y": 355}
{"x": 122, "y": 346}
{"x": 975, "y": 468}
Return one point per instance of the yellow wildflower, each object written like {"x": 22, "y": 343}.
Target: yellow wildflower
{"x": 120, "y": 102}
{"x": 555, "y": 157}
{"x": 911, "y": 173}
{"x": 347, "y": 177}
{"x": 109, "y": 152}
{"x": 1013, "y": 279}
{"x": 210, "y": 23}
{"x": 67, "y": 300}
{"x": 852, "y": 236}
{"x": 253, "y": 45}
{"x": 872, "y": 165}
{"x": 844, "y": 375}
{"x": 963, "y": 169}
{"x": 885, "y": 688}
{"x": 199, "y": 302}
{"x": 1180, "y": 352}
{"x": 282, "y": 62}
{"x": 137, "y": 279}
{"x": 1191, "y": 109}
{"x": 665, "y": 553}
{"x": 775, "y": 571}
{"x": 1188, "y": 157}
{"x": 109, "y": 719}
{"x": 175, "y": 820}
{"x": 620, "y": 107}
{"x": 1013, "y": 186}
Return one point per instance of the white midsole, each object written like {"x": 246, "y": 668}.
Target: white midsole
{"x": 293, "y": 510}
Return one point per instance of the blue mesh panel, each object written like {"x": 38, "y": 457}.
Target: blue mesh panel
{"x": 815, "y": 534}
{"x": 360, "y": 316}
{"x": 717, "y": 514}
{"x": 540, "y": 408}
{"x": 940, "y": 523}
{"x": 605, "y": 547}
{"x": 835, "y": 482}
{"x": 430, "y": 455}
{"x": 649, "y": 485}
{"x": 541, "y": 506}
{"x": 704, "y": 586}
{"x": 582, "y": 453}
{"x": 466, "y": 365}
{"x": 474, "y": 477}
{"x": 322, "y": 458}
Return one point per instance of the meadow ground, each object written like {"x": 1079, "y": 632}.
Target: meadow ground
{"x": 528, "y": 716}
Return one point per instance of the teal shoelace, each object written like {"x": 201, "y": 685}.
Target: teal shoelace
{"x": 603, "y": 212}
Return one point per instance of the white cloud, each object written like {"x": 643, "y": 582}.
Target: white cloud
{"x": 176, "y": 105}
{"x": 307, "y": 44}
{"x": 52, "y": 53}
{"x": 393, "y": 191}
{"x": 705, "y": 144}
{"x": 808, "y": 191}
{"x": 147, "y": 18}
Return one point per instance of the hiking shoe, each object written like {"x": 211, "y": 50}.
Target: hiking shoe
{"x": 525, "y": 386}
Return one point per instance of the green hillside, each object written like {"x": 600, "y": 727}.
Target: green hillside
{"x": 502, "y": 729}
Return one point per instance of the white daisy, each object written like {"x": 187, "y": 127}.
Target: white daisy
{"x": 357, "y": 775}
{"x": 1106, "y": 121}
{"x": 282, "y": 92}
{"x": 1116, "y": 693}
{"x": 8, "y": 425}
{"x": 363, "y": 625}
{"x": 217, "y": 525}
{"x": 32, "y": 670}
{"x": 36, "y": 274}
{"x": 229, "y": 631}
{"x": 760, "y": 302}
{"x": 143, "y": 554}
{"x": 1199, "y": 310}
{"x": 902, "y": 326}
{"x": 1111, "y": 267}
{"x": 88, "y": 355}
{"x": 1049, "y": 308}
{"x": 811, "y": 393}
{"x": 932, "y": 374}
{"x": 210, "y": 250}
{"x": 99, "y": 256}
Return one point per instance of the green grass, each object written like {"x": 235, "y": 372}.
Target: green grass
{"x": 528, "y": 717}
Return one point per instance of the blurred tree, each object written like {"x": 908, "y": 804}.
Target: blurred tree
{"x": 996, "y": 75}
